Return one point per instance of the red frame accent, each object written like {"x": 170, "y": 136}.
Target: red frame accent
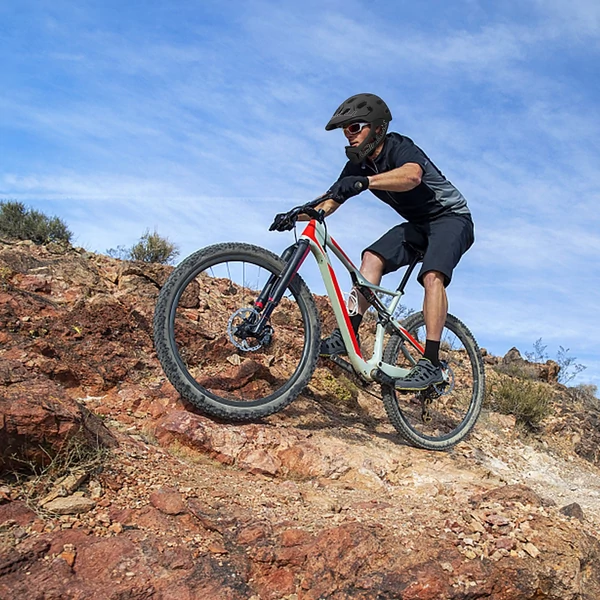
{"x": 344, "y": 311}
{"x": 414, "y": 342}
{"x": 310, "y": 232}
{"x": 341, "y": 251}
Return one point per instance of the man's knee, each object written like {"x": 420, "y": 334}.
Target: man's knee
{"x": 372, "y": 261}
{"x": 434, "y": 279}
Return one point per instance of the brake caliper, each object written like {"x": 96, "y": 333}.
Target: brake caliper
{"x": 240, "y": 330}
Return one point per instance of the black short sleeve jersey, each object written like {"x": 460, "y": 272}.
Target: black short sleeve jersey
{"x": 433, "y": 197}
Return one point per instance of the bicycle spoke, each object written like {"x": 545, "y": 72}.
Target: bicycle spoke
{"x": 204, "y": 335}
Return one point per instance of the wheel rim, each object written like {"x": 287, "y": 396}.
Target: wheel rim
{"x": 208, "y": 306}
{"x": 441, "y": 412}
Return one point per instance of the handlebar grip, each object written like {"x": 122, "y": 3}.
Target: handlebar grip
{"x": 319, "y": 215}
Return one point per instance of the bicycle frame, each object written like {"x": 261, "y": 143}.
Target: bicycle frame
{"x": 318, "y": 243}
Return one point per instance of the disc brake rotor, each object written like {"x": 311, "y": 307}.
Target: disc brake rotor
{"x": 240, "y": 320}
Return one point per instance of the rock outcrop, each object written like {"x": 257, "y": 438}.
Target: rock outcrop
{"x": 318, "y": 501}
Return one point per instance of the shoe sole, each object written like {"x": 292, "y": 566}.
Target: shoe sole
{"x": 418, "y": 388}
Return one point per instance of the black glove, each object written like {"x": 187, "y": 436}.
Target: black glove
{"x": 346, "y": 187}
{"x": 282, "y": 222}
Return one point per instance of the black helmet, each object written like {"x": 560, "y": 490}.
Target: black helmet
{"x": 367, "y": 108}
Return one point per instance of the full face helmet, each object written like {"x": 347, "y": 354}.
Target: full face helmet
{"x": 365, "y": 108}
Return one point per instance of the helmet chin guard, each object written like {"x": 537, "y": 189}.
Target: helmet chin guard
{"x": 356, "y": 154}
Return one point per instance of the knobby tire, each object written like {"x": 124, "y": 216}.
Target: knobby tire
{"x": 452, "y": 415}
{"x": 196, "y": 352}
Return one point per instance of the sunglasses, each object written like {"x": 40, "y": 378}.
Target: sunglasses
{"x": 355, "y": 128}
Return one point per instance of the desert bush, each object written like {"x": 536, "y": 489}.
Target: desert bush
{"x": 77, "y": 455}
{"x": 529, "y": 401}
{"x": 151, "y": 247}
{"x": 18, "y": 222}
{"x": 586, "y": 395}
{"x": 569, "y": 368}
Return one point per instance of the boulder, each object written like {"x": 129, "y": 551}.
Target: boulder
{"x": 39, "y": 420}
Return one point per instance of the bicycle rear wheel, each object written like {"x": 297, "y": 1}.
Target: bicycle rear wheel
{"x": 441, "y": 416}
{"x": 198, "y": 342}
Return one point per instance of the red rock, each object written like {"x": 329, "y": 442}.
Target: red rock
{"x": 295, "y": 537}
{"x": 258, "y": 461}
{"x": 510, "y": 494}
{"x": 278, "y": 583}
{"x": 497, "y": 520}
{"x": 17, "y": 512}
{"x": 505, "y": 543}
{"x": 41, "y": 415}
{"x": 86, "y": 331}
{"x": 168, "y": 501}
{"x": 251, "y": 534}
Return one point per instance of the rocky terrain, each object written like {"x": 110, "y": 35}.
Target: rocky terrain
{"x": 113, "y": 488}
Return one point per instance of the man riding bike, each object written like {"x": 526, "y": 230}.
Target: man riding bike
{"x": 437, "y": 218}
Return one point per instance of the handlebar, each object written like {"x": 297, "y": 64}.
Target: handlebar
{"x": 287, "y": 221}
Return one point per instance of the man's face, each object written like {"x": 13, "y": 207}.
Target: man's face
{"x": 354, "y": 139}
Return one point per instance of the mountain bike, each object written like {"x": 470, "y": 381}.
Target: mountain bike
{"x": 238, "y": 333}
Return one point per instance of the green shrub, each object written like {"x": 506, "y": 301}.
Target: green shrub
{"x": 528, "y": 401}
{"x": 20, "y": 223}
{"x": 151, "y": 247}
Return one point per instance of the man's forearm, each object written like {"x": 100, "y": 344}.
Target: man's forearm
{"x": 402, "y": 179}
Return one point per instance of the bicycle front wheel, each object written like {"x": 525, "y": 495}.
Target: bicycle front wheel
{"x": 200, "y": 312}
{"x": 441, "y": 416}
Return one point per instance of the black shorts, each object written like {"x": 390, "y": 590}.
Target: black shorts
{"x": 444, "y": 239}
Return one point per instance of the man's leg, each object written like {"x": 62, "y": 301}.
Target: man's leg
{"x": 371, "y": 269}
{"x": 435, "y": 309}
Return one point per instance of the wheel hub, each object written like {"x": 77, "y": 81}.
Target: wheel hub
{"x": 240, "y": 330}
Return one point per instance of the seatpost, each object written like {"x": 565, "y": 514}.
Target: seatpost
{"x": 411, "y": 267}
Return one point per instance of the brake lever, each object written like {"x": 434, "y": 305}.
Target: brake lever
{"x": 287, "y": 221}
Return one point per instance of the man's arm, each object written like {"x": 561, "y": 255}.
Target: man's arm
{"x": 329, "y": 206}
{"x": 402, "y": 179}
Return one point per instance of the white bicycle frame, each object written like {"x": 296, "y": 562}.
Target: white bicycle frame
{"x": 319, "y": 241}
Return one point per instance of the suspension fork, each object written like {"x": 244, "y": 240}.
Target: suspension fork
{"x": 275, "y": 287}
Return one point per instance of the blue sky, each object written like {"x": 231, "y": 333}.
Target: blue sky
{"x": 202, "y": 119}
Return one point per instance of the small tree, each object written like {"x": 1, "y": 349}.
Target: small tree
{"x": 151, "y": 247}
{"x": 20, "y": 223}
